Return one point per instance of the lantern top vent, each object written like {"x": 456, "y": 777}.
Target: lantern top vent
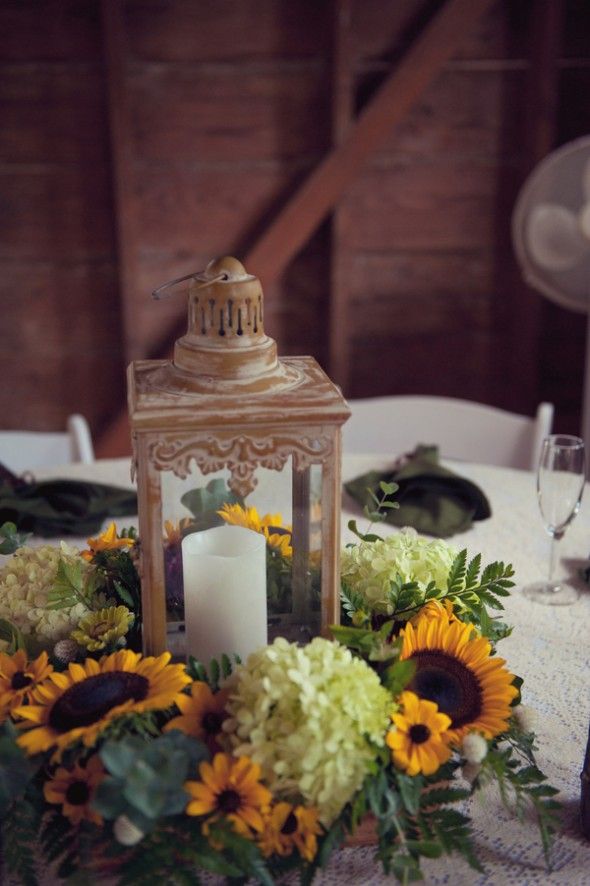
{"x": 225, "y": 342}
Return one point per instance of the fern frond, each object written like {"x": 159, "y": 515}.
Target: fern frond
{"x": 457, "y": 572}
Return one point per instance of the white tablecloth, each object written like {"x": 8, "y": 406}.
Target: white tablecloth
{"x": 549, "y": 648}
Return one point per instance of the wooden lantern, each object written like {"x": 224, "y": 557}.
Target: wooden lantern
{"x": 227, "y": 407}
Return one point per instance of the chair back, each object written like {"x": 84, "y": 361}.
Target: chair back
{"x": 462, "y": 429}
{"x": 22, "y": 451}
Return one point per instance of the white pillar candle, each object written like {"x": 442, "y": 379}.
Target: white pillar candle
{"x": 224, "y": 572}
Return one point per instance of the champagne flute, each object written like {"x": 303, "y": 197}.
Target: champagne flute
{"x": 560, "y": 483}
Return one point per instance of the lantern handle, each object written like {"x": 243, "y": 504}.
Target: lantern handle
{"x": 163, "y": 291}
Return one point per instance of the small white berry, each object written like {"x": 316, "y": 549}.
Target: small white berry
{"x": 525, "y": 717}
{"x": 474, "y": 747}
{"x": 127, "y": 833}
{"x": 66, "y": 650}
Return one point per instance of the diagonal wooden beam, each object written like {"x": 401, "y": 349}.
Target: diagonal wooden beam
{"x": 308, "y": 207}
{"x": 127, "y": 227}
{"x": 402, "y": 88}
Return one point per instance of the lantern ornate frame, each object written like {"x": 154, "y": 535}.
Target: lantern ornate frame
{"x": 251, "y": 411}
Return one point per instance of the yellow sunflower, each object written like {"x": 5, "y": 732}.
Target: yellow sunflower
{"x": 418, "y": 743}
{"x": 106, "y": 541}
{"x": 287, "y": 827}
{"x": 103, "y": 628}
{"x": 175, "y": 531}
{"x": 81, "y": 702}
{"x": 435, "y": 609}
{"x": 271, "y": 526}
{"x": 19, "y": 679}
{"x": 201, "y": 714}
{"x": 74, "y": 789}
{"x": 455, "y": 669}
{"x": 230, "y": 789}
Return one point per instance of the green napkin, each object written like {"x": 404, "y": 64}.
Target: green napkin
{"x": 61, "y": 507}
{"x": 431, "y": 498}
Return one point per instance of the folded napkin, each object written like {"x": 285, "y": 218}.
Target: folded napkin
{"x": 431, "y": 498}
{"x": 61, "y": 507}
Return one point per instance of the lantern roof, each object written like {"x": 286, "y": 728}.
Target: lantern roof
{"x": 225, "y": 370}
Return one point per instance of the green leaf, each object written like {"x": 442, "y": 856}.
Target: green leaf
{"x": 398, "y": 675}
{"x": 12, "y": 635}
{"x": 457, "y": 572}
{"x": 10, "y": 539}
{"x": 15, "y": 769}
{"x": 73, "y": 584}
{"x": 410, "y": 789}
{"x": 204, "y": 502}
{"x": 119, "y": 756}
{"x": 427, "y": 848}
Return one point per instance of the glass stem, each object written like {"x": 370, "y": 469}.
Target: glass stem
{"x": 555, "y": 538}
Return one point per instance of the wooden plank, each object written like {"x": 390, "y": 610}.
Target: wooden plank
{"x": 115, "y": 53}
{"x": 56, "y": 345}
{"x": 407, "y": 294}
{"x": 235, "y": 113}
{"x": 442, "y": 204}
{"x": 177, "y": 30}
{"x": 398, "y": 93}
{"x": 391, "y": 364}
{"x": 52, "y": 112}
{"x": 55, "y": 213}
{"x": 49, "y": 30}
{"x": 463, "y": 116}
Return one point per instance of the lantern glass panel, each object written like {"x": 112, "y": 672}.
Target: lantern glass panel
{"x": 285, "y": 507}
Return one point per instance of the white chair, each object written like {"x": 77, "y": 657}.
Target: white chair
{"x": 28, "y": 450}
{"x": 461, "y": 429}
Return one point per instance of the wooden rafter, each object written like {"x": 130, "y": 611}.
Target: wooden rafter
{"x": 115, "y": 55}
{"x": 343, "y": 69}
{"x": 309, "y": 206}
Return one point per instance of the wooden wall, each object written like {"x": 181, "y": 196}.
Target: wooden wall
{"x": 141, "y": 138}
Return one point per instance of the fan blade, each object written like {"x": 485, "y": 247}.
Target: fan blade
{"x": 553, "y": 238}
{"x": 584, "y": 220}
{"x": 586, "y": 180}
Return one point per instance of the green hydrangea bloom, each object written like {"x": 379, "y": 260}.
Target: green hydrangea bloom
{"x": 370, "y": 566}
{"x": 311, "y": 717}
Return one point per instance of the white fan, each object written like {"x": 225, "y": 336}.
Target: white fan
{"x": 551, "y": 236}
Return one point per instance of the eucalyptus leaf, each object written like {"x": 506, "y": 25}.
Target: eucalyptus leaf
{"x": 119, "y": 756}
{"x": 10, "y": 539}
{"x": 204, "y": 502}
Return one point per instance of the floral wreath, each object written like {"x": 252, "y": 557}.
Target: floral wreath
{"x": 151, "y": 768}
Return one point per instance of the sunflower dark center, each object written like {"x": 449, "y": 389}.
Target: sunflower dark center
{"x": 20, "y": 680}
{"x": 211, "y": 722}
{"x": 290, "y": 825}
{"x": 419, "y": 733}
{"x": 228, "y": 801}
{"x": 89, "y": 700}
{"x": 78, "y": 793}
{"x": 448, "y": 682}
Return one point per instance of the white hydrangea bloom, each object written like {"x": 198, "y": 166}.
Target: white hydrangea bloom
{"x": 310, "y": 717}
{"x": 370, "y": 566}
{"x": 474, "y": 747}
{"x": 526, "y": 717}
{"x": 25, "y": 581}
